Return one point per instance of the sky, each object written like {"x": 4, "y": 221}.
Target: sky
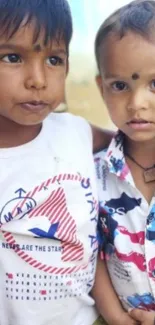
{"x": 87, "y": 17}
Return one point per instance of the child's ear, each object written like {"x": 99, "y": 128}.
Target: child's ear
{"x": 99, "y": 82}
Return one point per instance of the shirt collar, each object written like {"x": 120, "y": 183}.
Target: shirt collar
{"x": 115, "y": 158}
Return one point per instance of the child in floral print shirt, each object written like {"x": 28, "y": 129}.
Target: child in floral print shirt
{"x": 125, "y": 53}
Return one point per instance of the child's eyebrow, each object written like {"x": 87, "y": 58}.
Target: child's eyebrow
{"x": 111, "y": 76}
{"x": 36, "y": 48}
{"x": 11, "y": 47}
{"x": 59, "y": 52}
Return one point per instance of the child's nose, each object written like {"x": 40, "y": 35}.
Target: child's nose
{"x": 139, "y": 100}
{"x": 36, "y": 78}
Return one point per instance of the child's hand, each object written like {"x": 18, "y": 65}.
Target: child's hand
{"x": 125, "y": 319}
{"x": 143, "y": 317}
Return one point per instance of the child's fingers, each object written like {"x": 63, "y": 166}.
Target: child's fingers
{"x": 137, "y": 314}
{"x": 142, "y": 316}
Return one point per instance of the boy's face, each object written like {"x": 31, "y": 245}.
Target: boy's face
{"x": 127, "y": 84}
{"x": 32, "y": 77}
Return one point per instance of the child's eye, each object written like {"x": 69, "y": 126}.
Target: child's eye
{"x": 152, "y": 84}
{"x": 54, "y": 60}
{"x": 119, "y": 86}
{"x": 11, "y": 58}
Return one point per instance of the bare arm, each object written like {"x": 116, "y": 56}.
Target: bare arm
{"x": 106, "y": 299}
{"x": 101, "y": 138}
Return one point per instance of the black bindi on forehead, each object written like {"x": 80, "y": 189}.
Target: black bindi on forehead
{"x": 135, "y": 76}
{"x": 37, "y": 48}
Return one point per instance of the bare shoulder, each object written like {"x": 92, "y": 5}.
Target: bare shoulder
{"x": 101, "y": 138}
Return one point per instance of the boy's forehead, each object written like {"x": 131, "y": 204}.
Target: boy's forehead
{"x": 25, "y": 37}
{"x": 129, "y": 55}
{"x": 37, "y": 47}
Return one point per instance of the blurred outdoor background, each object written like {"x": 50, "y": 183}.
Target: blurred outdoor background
{"x": 82, "y": 95}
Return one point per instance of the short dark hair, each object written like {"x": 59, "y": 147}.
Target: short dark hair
{"x": 53, "y": 16}
{"x": 138, "y": 17}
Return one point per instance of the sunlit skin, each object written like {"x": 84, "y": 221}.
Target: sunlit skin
{"x": 29, "y": 74}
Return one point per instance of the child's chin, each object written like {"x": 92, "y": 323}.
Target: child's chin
{"x": 27, "y": 121}
{"x": 141, "y": 136}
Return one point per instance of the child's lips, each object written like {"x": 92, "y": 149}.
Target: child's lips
{"x": 34, "y": 106}
{"x": 140, "y": 124}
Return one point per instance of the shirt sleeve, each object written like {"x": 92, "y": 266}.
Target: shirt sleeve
{"x": 76, "y": 132}
{"x": 83, "y": 129}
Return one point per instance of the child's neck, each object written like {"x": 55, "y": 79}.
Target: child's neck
{"x": 144, "y": 153}
{"x": 13, "y": 134}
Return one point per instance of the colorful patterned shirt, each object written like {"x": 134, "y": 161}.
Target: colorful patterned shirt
{"x": 126, "y": 229}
